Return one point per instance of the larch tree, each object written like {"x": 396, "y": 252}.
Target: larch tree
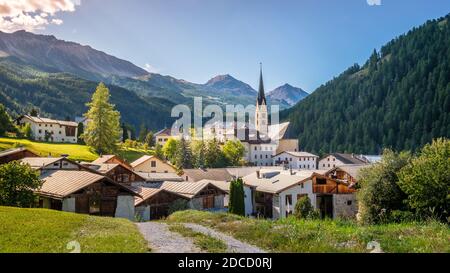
{"x": 103, "y": 130}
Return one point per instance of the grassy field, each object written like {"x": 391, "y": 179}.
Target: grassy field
{"x": 47, "y": 231}
{"x": 204, "y": 242}
{"x": 292, "y": 235}
{"x": 75, "y": 151}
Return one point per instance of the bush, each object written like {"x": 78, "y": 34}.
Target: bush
{"x": 178, "y": 205}
{"x": 379, "y": 192}
{"x": 399, "y": 216}
{"x": 303, "y": 208}
{"x": 426, "y": 180}
{"x": 17, "y": 184}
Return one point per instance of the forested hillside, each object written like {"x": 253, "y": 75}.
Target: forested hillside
{"x": 400, "y": 98}
{"x": 59, "y": 95}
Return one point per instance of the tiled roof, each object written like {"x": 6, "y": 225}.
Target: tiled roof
{"x": 61, "y": 183}
{"x": 167, "y": 131}
{"x": 277, "y": 181}
{"x": 141, "y": 160}
{"x": 186, "y": 189}
{"x": 351, "y": 169}
{"x": 103, "y": 159}
{"x": 14, "y": 150}
{"x": 348, "y": 158}
{"x": 211, "y": 174}
{"x": 51, "y": 121}
{"x": 39, "y": 162}
{"x": 160, "y": 177}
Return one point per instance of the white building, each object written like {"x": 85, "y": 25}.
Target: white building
{"x": 331, "y": 161}
{"x": 275, "y": 193}
{"x": 51, "y": 130}
{"x": 296, "y": 160}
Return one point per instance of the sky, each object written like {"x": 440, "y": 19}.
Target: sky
{"x": 301, "y": 42}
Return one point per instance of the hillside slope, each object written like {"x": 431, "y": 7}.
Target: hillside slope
{"x": 58, "y": 95}
{"x": 48, "y": 231}
{"x": 400, "y": 98}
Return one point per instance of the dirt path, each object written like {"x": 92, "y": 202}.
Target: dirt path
{"x": 233, "y": 245}
{"x": 162, "y": 240}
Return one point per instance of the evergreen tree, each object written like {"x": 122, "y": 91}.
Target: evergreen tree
{"x": 183, "y": 157}
{"x": 199, "y": 151}
{"x": 159, "y": 152}
{"x": 236, "y": 203}
{"x": 103, "y": 131}
{"x": 80, "y": 133}
{"x": 143, "y": 132}
{"x": 150, "y": 139}
{"x": 34, "y": 112}
{"x": 214, "y": 157}
{"x": 5, "y": 121}
{"x": 124, "y": 132}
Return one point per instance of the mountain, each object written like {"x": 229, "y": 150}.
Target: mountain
{"x": 400, "y": 98}
{"x": 226, "y": 83}
{"x": 53, "y": 55}
{"x": 286, "y": 96}
{"x": 60, "y": 95}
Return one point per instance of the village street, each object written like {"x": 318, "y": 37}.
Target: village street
{"x": 162, "y": 240}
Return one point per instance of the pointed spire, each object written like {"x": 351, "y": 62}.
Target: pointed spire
{"x": 261, "y": 95}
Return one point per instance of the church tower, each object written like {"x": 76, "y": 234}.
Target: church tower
{"x": 261, "y": 116}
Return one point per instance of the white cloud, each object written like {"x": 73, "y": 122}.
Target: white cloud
{"x": 374, "y": 2}
{"x": 32, "y": 15}
{"x": 150, "y": 68}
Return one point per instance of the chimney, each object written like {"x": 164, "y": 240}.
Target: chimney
{"x": 291, "y": 171}
{"x": 258, "y": 174}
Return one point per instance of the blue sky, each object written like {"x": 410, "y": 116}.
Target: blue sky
{"x": 303, "y": 42}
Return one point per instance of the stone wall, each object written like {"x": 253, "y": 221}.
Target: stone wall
{"x": 345, "y": 206}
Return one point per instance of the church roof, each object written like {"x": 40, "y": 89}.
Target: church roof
{"x": 261, "y": 94}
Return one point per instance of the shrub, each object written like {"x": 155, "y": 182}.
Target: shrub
{"x": 399, "y": 216}
{"x": 178, "y": 205}
{"x": 379, "y": 193}
{"x": 303, "y": 208}
{"x": 426, "y": 180}
{"x": 17, "y": 182}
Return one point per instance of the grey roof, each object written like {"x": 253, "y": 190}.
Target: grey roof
{"x": 298, "y": 154}
{"x": 15, "y": 150}
{"x": 271, "y": 181}
{"x": 348, "y": 158}
{"x": 40, "y": 162}
{"x": 160, "y": 177}
{"x": 210, "y": 174}
{"x": 352, "y": 169}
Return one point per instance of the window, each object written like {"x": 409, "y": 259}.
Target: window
{"x": 321, "y": 181}
{"x": 328, "y": 165}
{"x": 324, "y": 165}
{"x": 256, "y": 157}
{"x": 302, "y": 185}
{"x": 56, "y": 164}
{"x": 40, "y": 131}
{"x": 59, "y": 132}
{"x": 328, "y": 159}
{"x": 349, "y": 202}
{"x": 153, "y": 164}
{"x": 290, "y": 159}
{"x": 256, "y": 148}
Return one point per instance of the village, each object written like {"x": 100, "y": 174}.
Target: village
{"x": 277, "y": 174}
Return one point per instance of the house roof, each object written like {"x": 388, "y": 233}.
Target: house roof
{"x": 211, "y": 174}
{"x": 147, "y": 193}
{"x": 166, "y": 131}
{"x": 40, "y": 162}
{"x": 159, "y": 177}
{"x": 298, "y": 154}
{"x": 277, "y": 181}
{"x": 141, "y": 160}
{"x": 103, "y": 159}
{"x": 186, "y": 189}
{"x": 351, "y": 169}
{"x": 244, "y": 171}
{"x": 15, "y": 150}
{"x": 50, "y": 121}
{"x": 347, "y": 158}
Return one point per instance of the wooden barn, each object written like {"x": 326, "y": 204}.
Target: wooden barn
{"x": 120, "y": 173}
{"x": 153, "y": 204}
{"x": 85, "y": 192}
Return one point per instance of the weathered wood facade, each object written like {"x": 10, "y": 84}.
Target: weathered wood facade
{"x": 15, "y": 154}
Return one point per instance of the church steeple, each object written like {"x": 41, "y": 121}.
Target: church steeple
{"x": 261, "y": 94}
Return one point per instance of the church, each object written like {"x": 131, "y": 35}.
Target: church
{"x": 263, "y": 140}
